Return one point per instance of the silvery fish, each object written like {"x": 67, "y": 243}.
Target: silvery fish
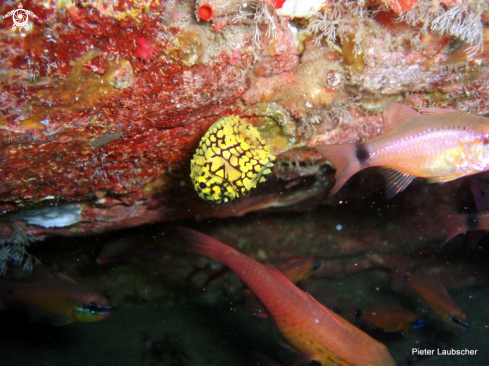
{"x": 434, "y": 143}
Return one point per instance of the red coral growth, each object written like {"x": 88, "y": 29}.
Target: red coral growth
{"x": 206, "y": 12}
{"x": 145, "y": 50}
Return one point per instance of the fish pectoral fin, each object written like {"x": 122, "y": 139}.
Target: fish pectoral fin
{"x": 395, "y": 181}
{"x": 57, "y": 321}
{"x": 396, "y": 115}
{"x": 35, "y": 314}
{"x": 294, "y": 357}
{"x": 254, "y": 305}
{"x": 436, "y": 111}
{"x": 64, "y": 278}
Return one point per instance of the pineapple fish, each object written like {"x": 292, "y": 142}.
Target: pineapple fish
{"x": 231, "y": 159}
{"x": 434, "y": 143}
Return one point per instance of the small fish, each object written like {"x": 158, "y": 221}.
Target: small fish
{"x": 476, "y": 223}
{"x": 391, "y": 318}
{"x": 460, "y": 223}
{"x": 311, "y": 328}
{"x": 59, "y": 295}
{"x": 437, "y": 298}
{"x": 298, "y": 268}
{"x": 434, "y": 143}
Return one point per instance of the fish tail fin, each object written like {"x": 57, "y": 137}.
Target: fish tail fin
{"x": 455, "y": 224}
{"x": 205, "y": 245}
{"x": 345, "y": 160}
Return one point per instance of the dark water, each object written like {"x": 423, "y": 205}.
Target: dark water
{"x": 164, "y": 316}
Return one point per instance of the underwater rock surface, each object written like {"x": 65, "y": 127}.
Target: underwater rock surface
{"x": 102, "y": 105}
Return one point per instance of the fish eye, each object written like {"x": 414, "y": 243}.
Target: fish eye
{"x": 316, "y": 265}
{"x": 485, "y": 140}
{"x": 202, "y": 185}
{"x": 418, "y": 324}
{"x": 93, "y": 308}
{"x": 459, "y": 322}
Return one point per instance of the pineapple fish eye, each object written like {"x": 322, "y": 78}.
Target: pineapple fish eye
{"x": 230, "y": 160}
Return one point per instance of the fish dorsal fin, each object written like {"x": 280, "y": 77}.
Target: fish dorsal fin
{"x": 396, "y": 115}
{"x": 330, "y": 314}
{"x": 64, "y": 278}
{"x": 283, "y": 280}
{"x": 436, "y": 111}
{"x": 254, "y": 305}
{"x": 395, "y": 181}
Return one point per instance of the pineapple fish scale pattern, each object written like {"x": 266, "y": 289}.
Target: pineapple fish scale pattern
{"x": 230, "y": 160}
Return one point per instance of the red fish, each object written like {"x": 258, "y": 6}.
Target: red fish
{"x": 434, "y": 143}
{"x": 58, "y": 295}
{"x": 437, "y": 298}
{"x": 311, "y": 328}
{"x": 391, "y": 318}
{"x": 298, "y": 268}
{"x": 460, "y": 223}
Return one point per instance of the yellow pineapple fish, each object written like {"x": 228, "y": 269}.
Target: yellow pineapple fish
{"x": 231, "y": 159}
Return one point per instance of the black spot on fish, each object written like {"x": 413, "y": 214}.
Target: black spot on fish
{"x": 472, "y": 222}
{"x": 362, "y": 154}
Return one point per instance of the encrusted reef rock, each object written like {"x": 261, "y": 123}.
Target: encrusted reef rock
{"x": 102, "y": 104}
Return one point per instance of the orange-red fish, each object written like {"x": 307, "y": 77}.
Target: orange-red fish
{"x": 437, "y": 298}
{"x": 434, "y": 143}
{"x": 298, "y": 268}
{"x": 460, "y": 223}
{"x": 310, "y": 327}
{"x": 59, "y": 295}
{"x": 475, "y": 223}
{"x": 391, "y": 318}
